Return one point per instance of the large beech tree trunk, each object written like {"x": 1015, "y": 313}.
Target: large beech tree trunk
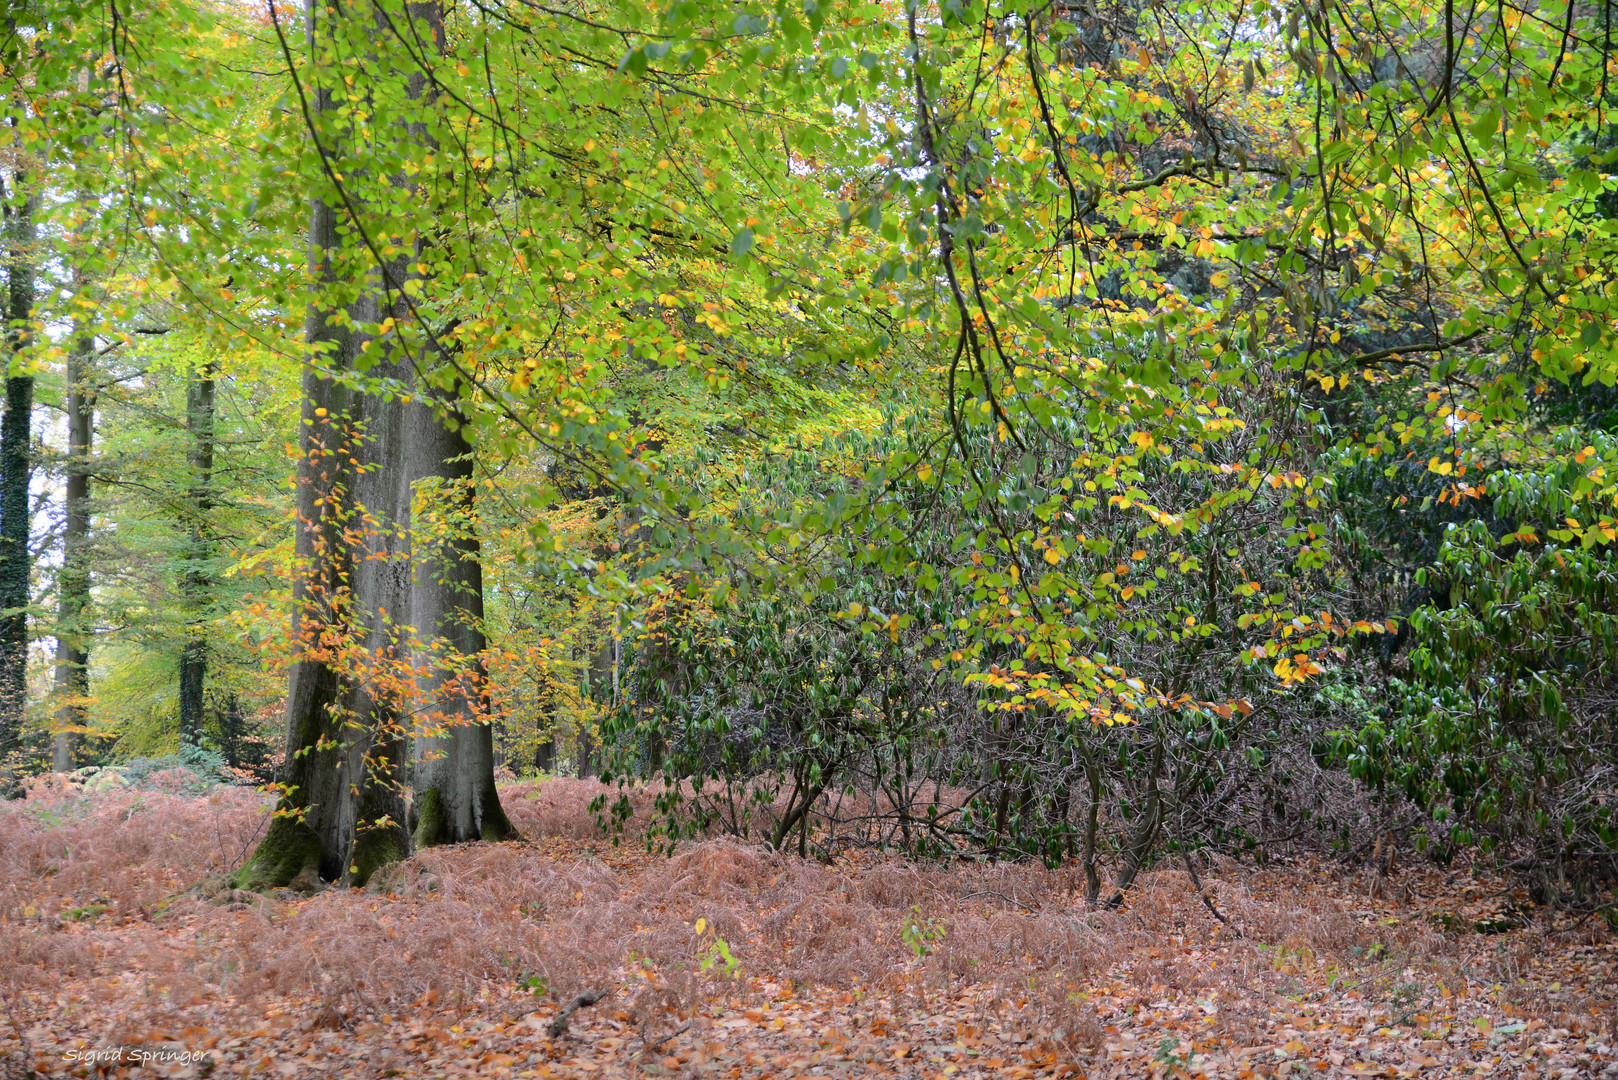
{"x": 455, "y": 797}
{"x": 72, "y": 681}
{"x": 16, "y": 432}
{"x": 417, "y": 613}
{"x": 342, "y": 813}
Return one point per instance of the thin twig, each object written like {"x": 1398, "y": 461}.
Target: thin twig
{"x": 1003, "y": 896}
{"x": 241, "y": 856}
{"x": 676, "y": 1033}
{"x": 1392, "y": 969}
{"x": 1354, "y": 856}
{"x": 1207, "y": 903}
{"x": 1584, "y": 919}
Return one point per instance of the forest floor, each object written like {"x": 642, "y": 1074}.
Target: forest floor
{"x": 120, "y": 955}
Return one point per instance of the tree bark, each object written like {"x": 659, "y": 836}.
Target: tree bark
{"x": 455, "y": 795}
{"x": 586, "y": 753}
{"x": 1092, "y": 878}
{"x": 72, "y": 677}
{"x": 600, "y": 685}
{"x": 342, "y": 813}
{"x": 16, "y": 433}
{"x": 196, "y": 583}
{"x": 1140, "y": 843}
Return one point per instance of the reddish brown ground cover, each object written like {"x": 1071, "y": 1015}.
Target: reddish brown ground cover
{"x": 730, "y": 961}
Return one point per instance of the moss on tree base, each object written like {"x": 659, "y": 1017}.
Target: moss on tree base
{"x": 494, "y": 826}
{"x": 289, "y": 848}
{"x": 429, "y": 814}
{"x": 373, "y": 850}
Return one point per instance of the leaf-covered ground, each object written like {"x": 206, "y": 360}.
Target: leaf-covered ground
{"x": 730, "y": 961}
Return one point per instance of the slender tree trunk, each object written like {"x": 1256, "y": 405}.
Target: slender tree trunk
{"x": 1140, "y": 843}
{"x": 1061, "y": 807}
{"x": 196, "y": 584}
{"x": 73, "y": 584}
{"x": 16, "y": 433}
{"x": 342, "y": 814}
{"x": 586, "y": 753}
{"x": 598, "y": 687}
{"x": 804, "y": 794}
{"x": 1092, "y": 878}
{"x": 545, "y": 727}
{"x": 455, "y": 796}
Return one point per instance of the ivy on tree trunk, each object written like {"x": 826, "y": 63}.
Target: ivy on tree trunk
{"x": 15, "y": 465}
{"x": 196, "y": 582}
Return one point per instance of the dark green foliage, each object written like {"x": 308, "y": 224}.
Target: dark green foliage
{"x": 1504, "y": 724}
{"x": 860, "y": 692}
{"x": 207, "y": 766}
{"x": 251, "y": 749}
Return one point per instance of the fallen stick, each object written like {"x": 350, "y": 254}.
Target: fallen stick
{"x": 654, "y": 1045}
{"x": 589, "y": 997}
{"x": 1003, "y": 896}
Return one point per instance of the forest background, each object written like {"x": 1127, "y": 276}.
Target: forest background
{"x": 1074, "y": 431}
